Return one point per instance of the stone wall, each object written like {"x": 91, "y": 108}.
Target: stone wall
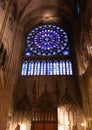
{"x": 8, "y": 24}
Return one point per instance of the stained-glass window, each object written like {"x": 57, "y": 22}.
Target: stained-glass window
{"x": 30, "y": 68}
{"x": 67, "y": 68}
{"x": 24, "y": 68}
{"x": 47, "y": 68}
{"x": 35, "y": 68}
{"x": 47, "y": 41}
{"x": 43, "y": 68}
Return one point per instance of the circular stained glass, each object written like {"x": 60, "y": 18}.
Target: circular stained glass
{"x": 47, "y": 40}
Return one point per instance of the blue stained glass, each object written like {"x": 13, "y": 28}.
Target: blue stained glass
{"x": 57, "y": 67}
{"x": 45, "y": 40}
{"x": 43, "y": 66}
{"x": 24, "y": 68}
{"x": 28, "y": 38}
{"x": 31, "y": 68}
{"x": 51, "y": 67}
{"x": 64, "y": 68}
{"x": 47, "y": 67}
{"x": 35, "y": 68}
{"x": 67, "y": 67}
{"x": 54, "y": 68}
{"x": 27, "y": 53}
{"x": 38, "y": 71}
{"x": 70, "y": 67}
{"x": 65, "y": 52}
{"x": 61, "y": 67}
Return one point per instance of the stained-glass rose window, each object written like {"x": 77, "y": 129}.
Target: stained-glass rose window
{"x": 47, "y": 40}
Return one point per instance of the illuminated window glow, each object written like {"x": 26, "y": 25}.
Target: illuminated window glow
{"x": 47, "y": 68}
{"x": 46, "y": 41}
{"x": 63, "y": 119}
{"x": 24, "y": 68}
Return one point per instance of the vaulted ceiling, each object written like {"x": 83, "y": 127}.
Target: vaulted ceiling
{"x": 32, "y": 12}
{"x": 22, "y": 4}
